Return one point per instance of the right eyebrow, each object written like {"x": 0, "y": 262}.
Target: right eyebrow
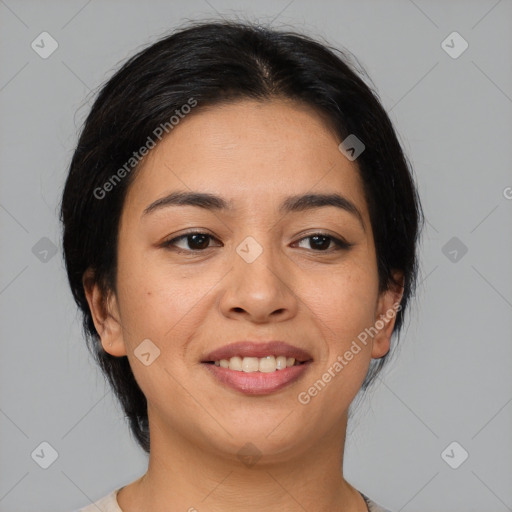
{"x": 199, "y": 199}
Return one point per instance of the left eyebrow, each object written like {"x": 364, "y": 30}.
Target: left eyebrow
{"x": 306, "y": 202}
{"x": 297, "y": 203}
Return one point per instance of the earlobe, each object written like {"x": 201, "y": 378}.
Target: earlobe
{"x": 105, "y": 315}
{"x": 388, "y": 306}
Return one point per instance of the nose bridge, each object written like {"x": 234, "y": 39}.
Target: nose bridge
{"x": 257, "y": 258}
{"x": 259, "y": 240}
{"x": 258, "y": 285}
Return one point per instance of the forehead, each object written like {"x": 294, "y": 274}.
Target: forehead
{"x": 252, "y": 153}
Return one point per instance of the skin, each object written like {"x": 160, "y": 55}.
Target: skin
{"x": 187, "y": 304}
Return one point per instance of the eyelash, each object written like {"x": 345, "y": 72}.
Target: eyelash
{"x": 339, "y": 244}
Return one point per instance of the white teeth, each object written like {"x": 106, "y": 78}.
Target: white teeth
{"x": 280, "y": 362}
{"x": 266, "y": 364}
{"x": 235, "y": 363}
{"x": 250, "y": 364}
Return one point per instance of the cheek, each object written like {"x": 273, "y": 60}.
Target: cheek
{"x": 346, "y": 303}
{"x": 344, "y": 309}
{"x": 161, "y": 302}
{"x": 167, "y": 309}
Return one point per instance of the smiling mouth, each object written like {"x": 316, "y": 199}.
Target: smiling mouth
{"x": 246, "y": 377}
{"x": 267, "y": 364}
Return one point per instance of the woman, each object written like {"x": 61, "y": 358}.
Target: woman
{"x": 240, "y": 234}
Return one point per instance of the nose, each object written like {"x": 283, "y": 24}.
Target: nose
{"x": 260, "y": 290}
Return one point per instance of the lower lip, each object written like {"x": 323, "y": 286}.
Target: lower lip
{"x": 257, "y": 383}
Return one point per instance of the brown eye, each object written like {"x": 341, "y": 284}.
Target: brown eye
{"x": 195, "y": 241}
{"x": 320, "y": 242}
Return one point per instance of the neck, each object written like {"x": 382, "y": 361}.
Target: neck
{"x": 184, "y": 476}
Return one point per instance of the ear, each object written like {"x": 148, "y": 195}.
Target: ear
{"x": 105, "y": 315}
{"x": 388, "y": 305}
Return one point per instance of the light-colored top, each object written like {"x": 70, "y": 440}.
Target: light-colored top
{"x": 109, "y": 504}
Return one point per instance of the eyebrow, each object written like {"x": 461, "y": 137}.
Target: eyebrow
{"x": 297, "y": 203}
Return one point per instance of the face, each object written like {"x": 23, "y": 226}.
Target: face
{"x": 265, "y": 267}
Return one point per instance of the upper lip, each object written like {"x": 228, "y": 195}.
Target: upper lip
{"x": 257, "y": 349}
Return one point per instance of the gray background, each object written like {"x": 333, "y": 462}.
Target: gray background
{"x": 451, "y": 378}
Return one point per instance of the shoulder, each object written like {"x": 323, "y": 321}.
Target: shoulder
{"x": 372, "y": 506}
{"x": 109, "y": 504}
{"x": 106, "y": 504}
